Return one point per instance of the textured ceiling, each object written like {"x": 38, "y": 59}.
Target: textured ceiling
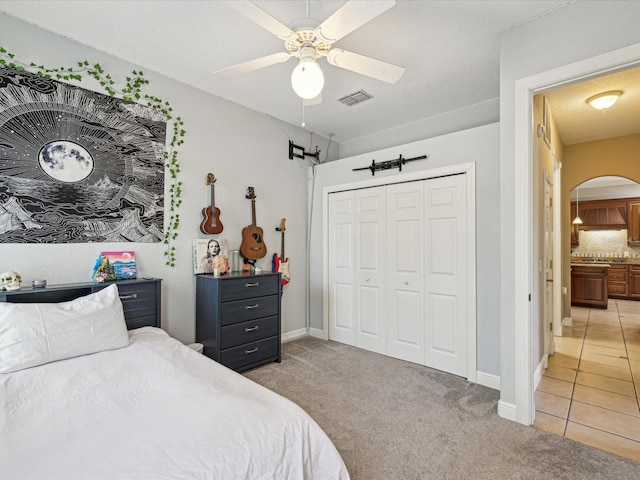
{"x": 578, "y": 122}
{"x": 450, "y": 50}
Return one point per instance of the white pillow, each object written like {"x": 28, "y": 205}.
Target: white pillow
{"x": 33, "y": 334}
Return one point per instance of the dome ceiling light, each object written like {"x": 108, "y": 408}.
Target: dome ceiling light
{"x": 604, "y": 100}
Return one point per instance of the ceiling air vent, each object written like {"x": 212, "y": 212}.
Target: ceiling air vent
{"x": 355, "y": 98}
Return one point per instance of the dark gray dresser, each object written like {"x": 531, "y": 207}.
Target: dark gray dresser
{"x": 140, "y": 298}
{"x": 238, "y": 318}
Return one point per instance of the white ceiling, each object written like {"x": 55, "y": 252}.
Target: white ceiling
{"x": 450, "y": 50}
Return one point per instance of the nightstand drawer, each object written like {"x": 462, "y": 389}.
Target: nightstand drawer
{"x": 139, "y": 303}
{"x": 245, "y": 332}
{"x": 248, "y": 309}
{"x": 250, "y": 286}
{"x": 250, "y": 353}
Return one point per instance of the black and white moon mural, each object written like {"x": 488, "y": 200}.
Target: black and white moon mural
{"x": 77, "y": 165}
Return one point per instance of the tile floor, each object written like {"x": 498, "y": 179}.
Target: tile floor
{"x": 590, "y": 391}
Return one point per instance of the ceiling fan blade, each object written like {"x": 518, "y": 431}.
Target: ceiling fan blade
{"x": 252, "y": 65}
{"x": 349, "y": 17}
{"x": 368, "y": 66}
{"x": 262, "y": 18}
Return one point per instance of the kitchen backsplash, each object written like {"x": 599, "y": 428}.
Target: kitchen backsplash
{"x": 604, "y": 243}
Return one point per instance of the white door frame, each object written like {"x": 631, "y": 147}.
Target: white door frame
{"x": 467, "y": 168}
{"x": 525, "y": 89}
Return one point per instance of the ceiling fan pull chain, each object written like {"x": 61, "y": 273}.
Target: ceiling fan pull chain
{"x": 303, "y": 123}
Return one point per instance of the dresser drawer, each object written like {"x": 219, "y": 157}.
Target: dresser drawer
{"x": 248, "y": 309}
{"x": 250, "y": 353}
{"x": 245, "y": 332}
{"x": 250, "y": 286}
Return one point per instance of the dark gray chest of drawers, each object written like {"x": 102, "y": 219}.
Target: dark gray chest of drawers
{"x": 238, "y": 318}
{"x": 140, "y": 298}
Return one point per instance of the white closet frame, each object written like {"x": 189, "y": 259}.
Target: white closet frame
{"x": 469, "y": 170}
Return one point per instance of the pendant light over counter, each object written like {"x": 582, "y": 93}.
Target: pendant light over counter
{"x": 577, "y": 220}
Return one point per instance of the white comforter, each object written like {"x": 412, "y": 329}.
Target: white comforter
{"x": 154, "y": 410}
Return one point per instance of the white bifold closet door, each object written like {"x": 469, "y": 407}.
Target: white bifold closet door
{"x": 397, "y": 270}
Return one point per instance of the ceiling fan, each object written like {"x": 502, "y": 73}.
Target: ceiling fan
{"x": 309, "y": 42}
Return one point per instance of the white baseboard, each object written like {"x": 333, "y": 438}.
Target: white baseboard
{"x": 488, "y": 380}
{"x": 507, "y": 410}
{"x": 317, "y": 333}
{"x": 294, "y": 335}
{"x": 567, "y": 322}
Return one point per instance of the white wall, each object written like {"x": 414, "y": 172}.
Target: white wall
{"x": 479, "y": 145}
{"x": 576, "y": 32}
{"x": 469, "y": 117}
{"x": 239, "y": 146}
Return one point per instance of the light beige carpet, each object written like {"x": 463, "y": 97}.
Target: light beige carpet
{"x": 394, "y": 420}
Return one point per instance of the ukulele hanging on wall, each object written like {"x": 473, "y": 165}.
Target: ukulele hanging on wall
{"x": 211, "y": 223}
{"x": 252, "y": 246}
{"x": 281, "y": 263}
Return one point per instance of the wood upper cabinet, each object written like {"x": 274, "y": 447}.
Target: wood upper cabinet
{"x": 633, "y": 221}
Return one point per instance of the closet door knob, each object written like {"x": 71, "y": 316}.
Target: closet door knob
{"x": 406, "y": 282}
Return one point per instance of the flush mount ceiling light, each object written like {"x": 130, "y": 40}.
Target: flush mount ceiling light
{"x": 602, "y": 101}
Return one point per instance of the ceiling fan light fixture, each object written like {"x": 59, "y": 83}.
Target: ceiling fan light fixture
{"x": 307, "y": 79}
{"x": 604, "y": 100}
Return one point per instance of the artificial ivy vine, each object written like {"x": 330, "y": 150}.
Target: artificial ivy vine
{"x": 132, "y": 91}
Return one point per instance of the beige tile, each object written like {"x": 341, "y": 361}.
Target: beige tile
{"x": 560, "y": 359}
{"x": 552, "y": 404}
{"x": 604, "y": 399}
{"x": 606, "y": 420}
{"x": 603, "y": 441}
{"x": 605, "y": 359}
{"x": 555, "y": 387}
{"x": 606, "y": 383}
{"x": 561, "y": 373}
{"x": 635, "y": 369}
{"x": 549, "y": 423}
{"x": 606, "y": 370}
{"x": 608, "y": 351}
{"x": 605, "y": 342}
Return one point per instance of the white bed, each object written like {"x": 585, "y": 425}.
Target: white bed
{"x": 154, "y": 409}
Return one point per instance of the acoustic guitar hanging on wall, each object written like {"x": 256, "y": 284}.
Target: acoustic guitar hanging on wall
{"x": 252, "y": 246}
{"x": 211, "y": 223}
{"x": 281, "y": 263}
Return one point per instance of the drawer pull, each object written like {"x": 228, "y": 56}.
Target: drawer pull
{"x": 254, "y": 284}
{"x": 127, "y": 297}
{"x": 253, "y": 350}
{"x": 251, "y": 307}
{"x": 251, "y": 329}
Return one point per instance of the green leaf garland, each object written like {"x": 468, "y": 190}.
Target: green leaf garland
{"x": 132, "y": 91}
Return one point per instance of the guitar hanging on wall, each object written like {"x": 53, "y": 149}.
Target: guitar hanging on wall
{"x": 281, "y": 263}
{"x": 252, "y": 246}
{"x": 211, "y": 223}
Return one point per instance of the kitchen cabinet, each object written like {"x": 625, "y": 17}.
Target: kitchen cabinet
{"x": 633, "y": 221}
{"x": 603, "y": 214}
{"x": 634, "y": 281}
{"x": 575, "y": 231}
{"x": 589, "y": 286}
{"x": 618, "y": 280}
